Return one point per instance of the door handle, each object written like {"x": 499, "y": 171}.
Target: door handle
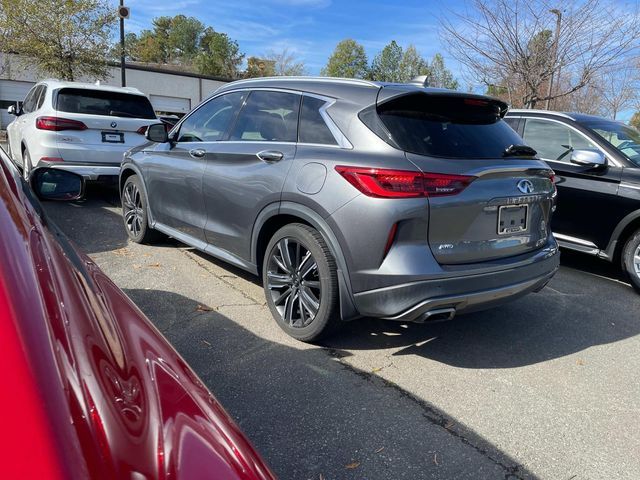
{"x": 270, "y": 156}
{"x": 197, "y": 153}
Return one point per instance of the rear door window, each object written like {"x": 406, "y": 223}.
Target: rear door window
{"x": 30, "y": 101}
{"x": 268, "y": 117}
{"x": 445, "y": 126}
{"x": 211, "y": 121}
{"x": 553, "y": 140}
{"x": 102, "y": 102}
{"x": 313, "y": 128}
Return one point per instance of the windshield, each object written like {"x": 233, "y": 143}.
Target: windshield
{"x": 623, "y": 137}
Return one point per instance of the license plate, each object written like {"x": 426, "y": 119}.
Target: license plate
{"x": 512, "y": 219}
{"x": 111, "y": 137}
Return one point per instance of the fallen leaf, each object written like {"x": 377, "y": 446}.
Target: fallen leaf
{"x": 580, "y": 362}
{"x": 377, "y": 369}
{"x": 155, "y": 265}
{"x": 379, "y": 450}
{"x": 448, "y": 425}
{"x": 203, "y": 308}
{"x": 352, "y": 465}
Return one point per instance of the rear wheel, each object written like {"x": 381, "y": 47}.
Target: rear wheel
{"x": 300, "y": 282}
{"x": 631, "y": 259}
{"x": 134, "y": 212}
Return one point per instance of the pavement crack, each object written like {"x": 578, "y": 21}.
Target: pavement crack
{"x": 432, "y": 415}
{"x": 222, "y": 278}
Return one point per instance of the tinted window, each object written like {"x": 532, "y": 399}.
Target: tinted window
{"x": 43, "y": 93}
{"x": 313, "y": 128}
{"x": 29, "y": 104}
{"x": 269, "y": 117}
{"x": 552, "y": 140}
{"x": 442, "y": 126}
{"x": 211, "y": 121}
{"x": 512, "y": 122}
{"x": 101, "y": 102}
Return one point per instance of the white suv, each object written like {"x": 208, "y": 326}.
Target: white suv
{"x": 79, "y": 127}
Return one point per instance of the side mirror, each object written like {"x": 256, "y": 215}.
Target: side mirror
{"x": 589, "y": 158}
{"x": 56, "y": 184}
{"x": 157, "y": 133}
{"x": 13, "y": 110}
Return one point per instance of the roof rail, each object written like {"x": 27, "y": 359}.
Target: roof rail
{"x": 351, "y": 81}
{"x": 539, "y": 110}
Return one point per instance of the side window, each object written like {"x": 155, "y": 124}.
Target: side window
{"x": 210, "y": 122}
{"x": 43, "y": 93}
{"x": 313, "y": 128}
{"x": 512, "y": 122}
{"x": 30, "y": 100}
{"x": 552, "y": 140}
{"x": 268, "y": 117}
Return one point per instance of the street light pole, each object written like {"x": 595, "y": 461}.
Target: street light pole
{"x": 123, "y": 75}
{"x": 554, "y": 54}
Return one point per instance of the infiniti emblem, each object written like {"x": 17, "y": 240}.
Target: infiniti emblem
{"x": 525, "y": 186}
{"x": 114, "y": 124}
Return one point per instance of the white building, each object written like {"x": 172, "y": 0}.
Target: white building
{"x": 170, "y": 91}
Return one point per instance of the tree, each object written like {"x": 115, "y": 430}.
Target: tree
{"x": 260, "y": 67}
{"x": 509, "y": 43}
{"x": 635, "y": 120}
{"x": 620, "y": 89}
{"x": 184, "y": 38}
{"x": 65, "y": 39}
{"x": 347, "y": 60}
{"x": 286, "y": 63}
{"x": 219, "y": 55}
{"x": 386, "y": 64}
{"x": 439, "y": 75}
{"x": 412, "y": 65}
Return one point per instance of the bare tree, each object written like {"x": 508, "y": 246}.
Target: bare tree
{"x": 620, "y": 89}
{"x": 520, "y": 45}
{"x": 286, "y": 63}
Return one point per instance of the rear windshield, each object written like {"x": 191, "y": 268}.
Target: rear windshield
{"x": 442, "y": 126}
{"x": 102, "y": 102}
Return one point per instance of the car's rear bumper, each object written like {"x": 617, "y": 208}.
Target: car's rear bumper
{"x": 90, "y": 171}
{"x": 418, "y": 301}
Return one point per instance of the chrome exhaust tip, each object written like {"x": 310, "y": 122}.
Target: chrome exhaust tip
{"x": 437, "y": 315}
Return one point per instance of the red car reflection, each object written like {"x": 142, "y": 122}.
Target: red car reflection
{"x": 90, "y": 389}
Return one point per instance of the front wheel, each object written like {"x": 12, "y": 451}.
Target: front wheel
{"x": 301, "y": 282}
{"x": 631, "y": 259}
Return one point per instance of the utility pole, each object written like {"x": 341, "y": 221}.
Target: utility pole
{"x": 554, "y": 53}
{"x": 123, "y": 12}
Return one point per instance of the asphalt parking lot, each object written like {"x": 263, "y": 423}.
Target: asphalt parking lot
{"x": 546, "y": 387}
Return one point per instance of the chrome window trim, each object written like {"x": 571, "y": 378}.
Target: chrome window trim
{"x": 611, "y": 160}
{"x": 338, "y": 136}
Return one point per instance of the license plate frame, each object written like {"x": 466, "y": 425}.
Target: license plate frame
{"x": 513, "y": 219}
{"x": 112, "y": 137}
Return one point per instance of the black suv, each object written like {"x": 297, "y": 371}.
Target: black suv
{"x": 597, "y": 166}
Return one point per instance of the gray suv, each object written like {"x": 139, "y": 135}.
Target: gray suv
{"x": 351, "y": 198}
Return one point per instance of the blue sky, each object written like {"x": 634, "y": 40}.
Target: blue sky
{"x": 310, "y": 28}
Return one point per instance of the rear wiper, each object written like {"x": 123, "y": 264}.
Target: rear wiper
{"x": 519, "y": 151}
{"x": 116, "y": 113}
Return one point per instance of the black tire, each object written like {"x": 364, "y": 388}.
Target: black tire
{"x": 134, "y": 212}
{"x": 631, "y": 259}
{"x": 26, "y": 165}
{"x": 301, "y": 291}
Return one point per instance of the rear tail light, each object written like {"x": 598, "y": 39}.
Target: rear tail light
{"x": 384, "y": 183}
{"x": 51, "y": 159}
{"x": 58, "y": 124}
{"x": 142, "y": 130}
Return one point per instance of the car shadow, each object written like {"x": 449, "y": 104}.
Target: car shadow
{"x": 577, "y": 310}
{"x": 312, "y": 416}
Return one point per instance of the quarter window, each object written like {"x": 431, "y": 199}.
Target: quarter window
{"x": 210, "y": 122}
{"x": 313, "y": 128}
{"x": 268, "y": 117}
{"x": 554, "y": 141}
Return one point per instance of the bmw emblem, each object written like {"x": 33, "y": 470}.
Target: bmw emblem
{"x": 114, "y": 124}
{"x": 525, "y": 186}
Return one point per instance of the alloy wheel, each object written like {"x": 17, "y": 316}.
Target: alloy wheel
{"x": 636, "y": 261}
{"x": 294, "y": 283}
{"x": 132, "y": 207}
